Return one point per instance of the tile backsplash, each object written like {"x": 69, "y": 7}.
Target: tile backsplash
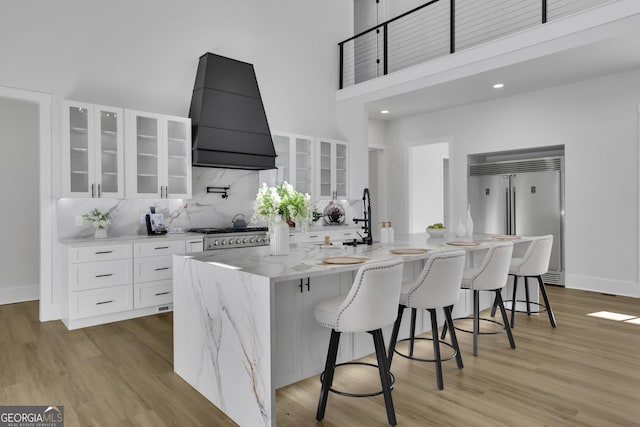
{"x": 202, "y": 210}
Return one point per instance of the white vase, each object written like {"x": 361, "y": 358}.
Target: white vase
{"x": 101, "y": 233}
{"x": 461, "y": 230}
{"x": 469, "y": 222}
{"x": 279, "y": 237}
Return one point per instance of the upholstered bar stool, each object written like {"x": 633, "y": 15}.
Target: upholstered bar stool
{"x": 438, "y": 286}
{"x": 490, "y": 276}
{"x": 533, "y": 264}
{"x": 369, "y": 306}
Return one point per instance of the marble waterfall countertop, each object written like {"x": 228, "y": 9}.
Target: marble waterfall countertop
{"x": 233, "y": 313}
{"x": 305, "y": 260}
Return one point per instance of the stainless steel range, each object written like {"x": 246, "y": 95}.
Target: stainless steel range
{"x": 227, "y": 238}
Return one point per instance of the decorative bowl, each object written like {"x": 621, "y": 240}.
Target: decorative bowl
{"x": 437, "y": 232}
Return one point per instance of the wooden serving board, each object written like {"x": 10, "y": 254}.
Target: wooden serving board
{"x": 506, "y": 237}
{"x": 463, "y": 243}
{"x": 343, "y": 260}
{"x": 408, "y": 251}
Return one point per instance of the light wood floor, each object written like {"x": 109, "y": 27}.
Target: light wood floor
{"x": 584, "y": 373}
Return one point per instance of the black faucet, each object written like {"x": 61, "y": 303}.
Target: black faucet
{"x": 366, "y": 202}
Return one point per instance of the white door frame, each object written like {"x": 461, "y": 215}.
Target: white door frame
{"x": 47, "y": 208}
{"x": 382, "y": 202}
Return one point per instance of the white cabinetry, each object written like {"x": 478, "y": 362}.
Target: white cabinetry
{"x": 153, "y": 269}
{"x": 99, "y": 280}
{"x": 116, "y": 281}
{"x": 93, "y": 157}
{"x": 158, "y": 155}
{"x": 295, "y": 161}
{"x": 332, "y": 166}
{"x": 299, "y": 338}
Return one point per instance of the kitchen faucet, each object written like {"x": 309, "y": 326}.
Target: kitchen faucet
{"x": 366, "y": 202}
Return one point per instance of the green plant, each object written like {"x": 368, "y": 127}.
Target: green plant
{"x": 282, "y": 200}
{"x": 98, "y": 218}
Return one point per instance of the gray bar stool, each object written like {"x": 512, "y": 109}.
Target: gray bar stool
{"x": 533, "y": 264}
{"x": 369, "y": 306}
{"x": 490, "y": 276}
{"x": 438, "y": 286}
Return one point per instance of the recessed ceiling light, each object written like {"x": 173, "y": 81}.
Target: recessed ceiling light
{"x": 498, "y": 85}
{"x": 384, "y": 112}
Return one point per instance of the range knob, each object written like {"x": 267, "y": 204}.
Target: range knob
{"x": 224, "y": 242}
{"x": 253, "y": 240}
{"x": 216, "y": 243}
{"x": 245, "y": 240}
{"x": 259, "y": 239}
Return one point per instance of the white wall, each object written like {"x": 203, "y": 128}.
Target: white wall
{"x": 597, "y": 121}
{"x": 144, "y": 54}
{"x": 20, "y": 214}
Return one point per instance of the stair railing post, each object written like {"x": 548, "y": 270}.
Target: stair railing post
{"x": 452, "y": 26}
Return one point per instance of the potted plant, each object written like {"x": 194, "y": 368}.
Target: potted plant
{"x": 99, "y": 220}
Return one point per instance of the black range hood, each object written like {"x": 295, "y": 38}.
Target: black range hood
{"x": 229, "y": 124}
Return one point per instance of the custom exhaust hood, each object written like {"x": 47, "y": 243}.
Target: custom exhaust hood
{"x": 229, "y": 124}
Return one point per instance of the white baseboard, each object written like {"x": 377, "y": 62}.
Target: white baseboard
{"x": 602, "y": 285}
{"x": 19, "y": 294}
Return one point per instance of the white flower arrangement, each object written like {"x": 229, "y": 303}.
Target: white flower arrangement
{"x": 98, "y": 218}
{"x": 282, "y": 200}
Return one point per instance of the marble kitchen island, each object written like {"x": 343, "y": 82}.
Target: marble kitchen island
{"x": 243, "y": 320}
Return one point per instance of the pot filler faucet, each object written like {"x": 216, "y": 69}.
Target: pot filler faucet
{"x": 366, "y": 202}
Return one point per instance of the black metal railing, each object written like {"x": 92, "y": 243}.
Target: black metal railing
{"x": 441, "y": 27}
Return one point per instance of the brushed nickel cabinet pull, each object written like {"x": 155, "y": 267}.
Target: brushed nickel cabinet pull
{"x": 104, "y": 275}
{"x": 162, "y": 293}
{"x": 104, "y": 302}
{"x": 162, "y": 268}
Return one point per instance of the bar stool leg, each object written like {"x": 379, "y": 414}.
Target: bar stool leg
{"x": 445, "y": 328}
{"x": 385, "y": 379}
{"x": 505, "y": 320}
{"x": 394, "y": 334}
{"x": 412, "y": 335}
{"x": 436, "y": 347}
{"x": 513, "y": 302}
{"x": 526, "y": 291}
{"x": 543, "y": 290}
{"x": 329, "y": 369}
{"x": 454, "y": 338}
{"x": 476, "y": 320}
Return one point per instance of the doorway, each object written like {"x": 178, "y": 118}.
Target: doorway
{"x": 25, "y": 125}
{"x": 428, "y": 185}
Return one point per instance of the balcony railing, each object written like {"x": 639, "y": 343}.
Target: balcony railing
{"x": 443, "y": 27}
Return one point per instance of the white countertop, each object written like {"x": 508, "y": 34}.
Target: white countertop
{"x": 305, "y": 259}
{"x": 91, "y": 241}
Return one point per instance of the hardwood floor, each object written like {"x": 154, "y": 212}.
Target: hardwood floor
{"x": 584, "y": 373}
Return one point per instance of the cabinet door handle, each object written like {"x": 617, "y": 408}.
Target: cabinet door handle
{"x": 162, "y": 293}
{"x": 103, "y": 252}
{"x": 99, "y": 191}
{"x": 196, "y": 241}
{"x": 301, "y": 285}
{"x": 166, "y": 191}
{"x": 104, "y": 275}
{"x": 314, "y": 236}
{"x": 104, "y": 302}
{"x": 162, "y": 268}
{"x": 92, "y": 191}
{"x": 161, "y": 247}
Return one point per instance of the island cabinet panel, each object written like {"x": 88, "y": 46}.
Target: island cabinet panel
{"x": 301, "y": 342}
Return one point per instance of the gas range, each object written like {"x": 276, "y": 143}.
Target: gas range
{"x": 227, "y": 238}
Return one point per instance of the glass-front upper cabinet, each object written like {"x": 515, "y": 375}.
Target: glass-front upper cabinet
{"x": 158, "y": 156}
{"x": 93, "y": 157}
{"x": 294, "y": 162}
{"x": 332, "y": 168}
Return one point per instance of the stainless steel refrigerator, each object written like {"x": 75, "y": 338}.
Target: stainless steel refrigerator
{"x": 521, "y": 198}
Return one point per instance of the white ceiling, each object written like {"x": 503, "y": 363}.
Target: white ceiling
{"x": 615, "y": 54}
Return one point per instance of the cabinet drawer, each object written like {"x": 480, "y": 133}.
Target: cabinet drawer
{"x": 156, "y": 268}
{"x": 100, "y": 301}
{"x": 311, "y": 237}
{"x": 194, "y": 245}
{"x": 159, "y": 248}
{"x": 152, "y": 294}
{"x": 100, "y": 253}
{"x": 91, "y": 275}
{"x": 340, "y": 235}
